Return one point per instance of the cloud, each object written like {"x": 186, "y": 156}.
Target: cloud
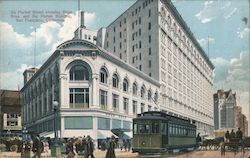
{"x": 206, "y": 15}
{"x": 243, "y": 33}
{"x": 230, "y": 14}
{"x": 228, "y": 4}
{"x": 204, "y": 41}
{"x": 48, "y": 36}
{"x": 233, "y": 74}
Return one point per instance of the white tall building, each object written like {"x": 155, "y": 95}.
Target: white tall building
{"x": 152, "y": 37}
{"x": 147, "y": 59}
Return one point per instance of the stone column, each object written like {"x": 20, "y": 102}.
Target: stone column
{"x": 95, "y": 91}
{"x": 109, "y": 96}
{"x": 63, "y": 91}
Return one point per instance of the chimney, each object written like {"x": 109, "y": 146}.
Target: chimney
{"x": 82, "y": 20}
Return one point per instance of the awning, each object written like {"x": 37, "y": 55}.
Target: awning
{"x": 122, "y": 133}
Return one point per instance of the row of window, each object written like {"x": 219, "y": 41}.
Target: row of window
{"x": 103, "y": 97}
{"x": 155, "y": 127}
{"x": 86, "y": 122}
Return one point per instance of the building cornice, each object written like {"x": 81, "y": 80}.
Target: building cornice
{"x": 64, "y": 47}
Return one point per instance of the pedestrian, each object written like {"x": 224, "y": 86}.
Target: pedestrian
{"x": 239, "y": 134}
{"x": 120, "y": 142}
{"x": 111, "y": 148}
{"x": 232, "y": 135}
{"x": 198, "y": 139}
{"x": 125, "y": 144}
{"x": 37, "y": 147}
{"x": 128, "y": 144}
{"x": 89, "y": 147}
{"x": 227, "y": 136}
{"x": 70, "y": 148}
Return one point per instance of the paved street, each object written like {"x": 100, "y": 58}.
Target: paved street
{"x": 123, "y": 154}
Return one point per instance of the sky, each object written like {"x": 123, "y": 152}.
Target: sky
{"x": 37, "y": 27}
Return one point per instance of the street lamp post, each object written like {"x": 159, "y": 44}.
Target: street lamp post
{"x": 56, "y": 150}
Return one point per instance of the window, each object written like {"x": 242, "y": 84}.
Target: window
{"x": 149, "y": 63}
{"x": 149, "y": 13}
{"x": 155, "y": 127}
{"x": 144, "y": 128}
{"x": 139, "y": 44}
{"x": 79, "y": 72}
{"x": 149, "y": 95}
{"x": 78, "y": 122}
{"x": 103, "y": 99}
{"x": 114, "y": 49}
{"x": 135, "y": 128}
{"x": 114, "y": 39}
{"x": 115, "y": 102}
{"x": 114, "y": 29}
{"x": 139, "y": 20}
{"x": 142, "y": 92}
{"x": 149, "y": 26}
{"x": 156, "y": 97}
{"x": 134, "y": 89}
{"x": 140, "y": 56}
{"x": 125, "y": 105}
{"x": 115, "y": 81}
{"x": 127, "y": 125}
{"x": 125, "y": 85}
{"x": 149, "y": 51}
{"x": 79, "y": 98}
{"x": 134, "y": 107}
{"x": 149, "y": 38}
{"x": 140, "y": 67}
{"x": 120, "y": 34}
{"x": 103, "y": 75}
{"x": 103, "y": 123}
{"x": 139, "y": 32}
{"x": 149, "y": 108}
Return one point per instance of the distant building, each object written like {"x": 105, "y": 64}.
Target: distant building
{"x": 10, "y": 111}
{"x": 241, "y": 121}
{"x": 224, "y": 109}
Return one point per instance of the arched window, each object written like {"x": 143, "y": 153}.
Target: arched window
{"x": 143, "y": 92}
{"x": 115, "y": 81}
{"x": 125, "y": 85}
{"x": 79, "y": 72}
{"x": 134, "y": 89}
{"x": 149, "y": 95}
{"x": 103, "y": 76}
{"x": 156, "y": 96}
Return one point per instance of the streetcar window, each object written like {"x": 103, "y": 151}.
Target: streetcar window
{"x": 135, "y": 128}
{"x": 144, "y": 128}
{"x": 155, "y": 127}
{"x": 163, "y": 128}
{"x": 170, "y": 129}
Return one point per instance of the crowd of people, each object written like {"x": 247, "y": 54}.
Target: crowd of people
{"x": 74, "y": 146}
{"x": 231, "y": 136}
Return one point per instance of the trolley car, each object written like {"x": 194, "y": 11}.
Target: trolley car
{"x": 158, "y": 132}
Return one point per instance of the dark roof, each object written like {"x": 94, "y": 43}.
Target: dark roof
{"x": 159, "y": 115}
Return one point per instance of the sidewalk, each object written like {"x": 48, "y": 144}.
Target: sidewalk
{"x": 97, "y": 154}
